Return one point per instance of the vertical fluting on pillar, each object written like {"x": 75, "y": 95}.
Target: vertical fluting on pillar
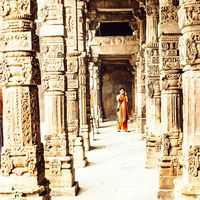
{"x": 76, "y": 142}
{"x": 22, "y": 164}
{"x": 58, "y": 163}
{"x": 84, "y": 126}
{"x": 189, "y": 45}
{"x": 153, "y": 98}
{"x": 171, "y": 99}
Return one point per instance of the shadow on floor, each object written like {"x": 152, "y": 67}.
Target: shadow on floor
{"x": 96, "y": 147}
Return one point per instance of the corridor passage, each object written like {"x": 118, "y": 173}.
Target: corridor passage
{"x": 116, "y": 168}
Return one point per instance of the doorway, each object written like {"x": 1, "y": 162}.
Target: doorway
{"x": 114, "y": 77}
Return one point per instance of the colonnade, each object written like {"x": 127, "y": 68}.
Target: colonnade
{"x": 166, "y": 90}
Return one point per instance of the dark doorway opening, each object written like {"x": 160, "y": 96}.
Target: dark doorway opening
{"x": 113, "y": 78}
{"x": 114, "y": 29}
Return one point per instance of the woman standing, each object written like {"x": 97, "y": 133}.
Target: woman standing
{"x": 122, "y": 110}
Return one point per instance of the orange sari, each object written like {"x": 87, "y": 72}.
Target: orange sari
{"x": 122, "y": 112}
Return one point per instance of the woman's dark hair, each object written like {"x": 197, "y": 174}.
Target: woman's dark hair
{"x": 121, "y": 89}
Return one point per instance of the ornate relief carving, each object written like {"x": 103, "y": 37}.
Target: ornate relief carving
{"x": 20, "y": 71}
{"x": 71, "y": 95}
{"x": 169, "y": 14}
{"x": 152, "y": 10}
{"x": 189, "y": 48}
{"x": 25, "y": 161}
{"x": 189, "y": 14}
{"x": 56, "y": 82}
{"x": 171, "y": 81}
{"x": 194, "y": 161}
{"x": 72, "y": 67}
{"x": 166, "y": 145}
{"x": 152, "y": 87}
{"x": 115, "y": 40}
{"x": 51, "y": 11}
{"x": 52, "y": 47}
{"x": 55, "y": 167}
{"x": 70, "y": 23}
{"x": 170, "y": 54}
{"x": 19, "y": 41}
{"x": 18, "y": 9}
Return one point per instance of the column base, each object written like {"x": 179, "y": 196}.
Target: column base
{"x": 60, "y": 172}
{"x": 23, "y": 188}
{"x": 166, "y": 194}
{"x": 153, "y": 152}
{"x": 168, "y": 173}
{"x": 141, "y": 125}
{"x": 79, "y": 153}
{"x": 65, "y": 191}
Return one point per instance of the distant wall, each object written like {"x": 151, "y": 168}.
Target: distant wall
{"x": 114, "y": 77}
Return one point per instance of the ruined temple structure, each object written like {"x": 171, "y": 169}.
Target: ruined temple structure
{"x": 62, "y": 63}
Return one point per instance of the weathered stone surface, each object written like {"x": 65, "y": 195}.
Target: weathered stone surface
{"x": 58, "y": 163}
{"x": 74, "y": 38}
{"x": 22, "y": 159}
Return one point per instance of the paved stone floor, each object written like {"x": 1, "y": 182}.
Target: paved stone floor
{"x": 116, "y": 168}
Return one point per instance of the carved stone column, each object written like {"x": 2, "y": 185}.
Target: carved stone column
{"x": 58, "y": 163}
{"x": 153, "y": 98}
{"x": 141, "y": 104}
{"x": 132, "y": 61}
{"x": 97, "y": 103}
{"x": 171, "y": 98}
{"x": 22, "y": 163}
{"x": 189, "y": 45}
{"x": 141, "y": 99}
{"x": 84, "y": 127}
{"x": 76, "y": 142}
{"x": 95, "y": 94}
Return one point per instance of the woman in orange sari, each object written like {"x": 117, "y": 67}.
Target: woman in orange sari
{"x": 122, "y": 110}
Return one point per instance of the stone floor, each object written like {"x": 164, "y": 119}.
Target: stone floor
{"x": 116, "y": 168}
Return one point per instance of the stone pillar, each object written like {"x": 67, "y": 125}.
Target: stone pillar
{"x": 141, "y": 99}
{"x": 153, "y": 98}
{"x": 22, "y": 164}
{"x": 141, "y": 102}
{"x": 84, "y": 127}
{"x": 171, "y": 98}
{"x": 189, "y": 45}
{"x": 76, "y": 142}
{"x": 92, "y": 122}
{"x": 133, "y": 73}
{"x": 58, "y": 163}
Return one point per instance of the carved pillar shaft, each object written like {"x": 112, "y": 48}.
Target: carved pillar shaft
{"x": 58, "y": 163}
{"x": 153, "y": 99}
{"x": 189, "y": 45}
{"x": 76, "y": 142}
{"x": 96, "y": 95}
{"x": 84, "y": 127}
{"x": 171, "y": 97}
{"x": 141, "y": 107}
{"x": 22, "y": 164}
